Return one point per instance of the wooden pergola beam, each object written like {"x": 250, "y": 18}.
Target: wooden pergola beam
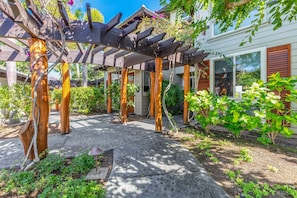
{"x": 63, "y": 13}
{"x": 113, "y": 22}
{"x": 186, "y": 91}
{"x": 10, "y": 44}
{"x": 64, "y": 110}
{"x": 89, "y": 14}
{"x": 158, "y": 88}
{"x": 124, "y": 112}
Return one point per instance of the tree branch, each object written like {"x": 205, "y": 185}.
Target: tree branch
{"x": 231, "y": 5}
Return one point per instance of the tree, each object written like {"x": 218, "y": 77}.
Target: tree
{"x": 96, "y": 16}
{"x": 228, "y": 13}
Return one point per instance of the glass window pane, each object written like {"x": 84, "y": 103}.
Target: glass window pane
{"x": 223, "y": 77}
{"x": 247, "y": 71}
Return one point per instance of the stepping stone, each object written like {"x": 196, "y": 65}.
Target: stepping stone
{"x": 99, "y": 174}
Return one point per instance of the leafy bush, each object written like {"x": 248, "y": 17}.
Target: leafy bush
{"x": 15, "y": 102}
{"x": 115, "y": 90}
{"x": 262, "y": 108}
{"x": 174, "y": 98}
{"x": 83, "y": 99}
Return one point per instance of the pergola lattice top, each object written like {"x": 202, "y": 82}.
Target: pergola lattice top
{"x": 107, "y": 45}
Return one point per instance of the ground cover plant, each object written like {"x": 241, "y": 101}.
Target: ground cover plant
{"x": 53, "y": 176}
{"x": 243, "y": 166}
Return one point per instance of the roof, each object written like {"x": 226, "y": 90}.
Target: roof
{"x": 138, "y": 15}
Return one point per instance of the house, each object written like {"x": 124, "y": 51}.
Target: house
{"x": 269, "y": 52}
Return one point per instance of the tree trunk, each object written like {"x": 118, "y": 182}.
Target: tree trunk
{"x": 64, "y": 110}
{"x": 85, "y": 75}
{"x": 11, "y": 73}
{"x": 38, "y": 51}
{"x": 158, "y": 88}
{"x": 109, "y": 101}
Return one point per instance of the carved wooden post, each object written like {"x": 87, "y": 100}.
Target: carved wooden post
{"x": 109, "y": 101}
{"x": 152, "y": 95}
{"x": 37, "y": 51}
{"x": 158, "y": 88}
{"x": 124, "y": 95}
{"x": 64, "y": 110}
{"x": 186, "y": 91}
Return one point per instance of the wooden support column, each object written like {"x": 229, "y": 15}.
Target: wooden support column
{"x": 186, "y": 91}
{"x": 158, "y": 88}
{"x": 37, "y": 51}
{"x": 124, "y": 116}
{"x": 109, "y": 101}
{"x": 64, "y": 110}
{"x": 152, "y": 94}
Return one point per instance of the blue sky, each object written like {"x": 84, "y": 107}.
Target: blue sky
{"x": 110, "y": 8}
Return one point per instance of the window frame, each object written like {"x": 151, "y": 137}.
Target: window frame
{"x": 263, "y": 66}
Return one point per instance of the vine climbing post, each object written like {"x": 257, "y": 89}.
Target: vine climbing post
{"x": 124, "y": 116}
{"x": 40, "y": 104}
{"x": 109, "y": 101}
{"x": 186, "y": 91}
{"x": 158, "y": 88}
{"x": 152, "y": 94}
{"x": 64, "y": 110}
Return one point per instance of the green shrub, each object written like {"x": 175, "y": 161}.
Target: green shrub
{"x": 115, "y": 90}
{"x": 262, "y": 108}
{"x": 83, "y": 99}
{"x": 15, "y": 101}
{"x": 174, "y": 98}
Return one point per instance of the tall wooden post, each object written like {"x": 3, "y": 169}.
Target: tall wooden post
{"x": 109, "y": 101}
{"x": 158, "y": 88}
{"x": 186, "y": 91}
{"x": 37, "y": 51}
{"x": 152, "y": 94}
{"x": 124, "y": 116}
{"x": 64, "y": 110}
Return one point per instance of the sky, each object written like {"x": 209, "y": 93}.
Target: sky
{"x": 110, "y": 8}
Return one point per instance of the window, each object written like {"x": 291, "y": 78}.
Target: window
{"x": 246, "y": 22}
{"x": 235, "y": 74}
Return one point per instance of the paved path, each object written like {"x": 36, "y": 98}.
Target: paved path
{"x": 146, "y": 164}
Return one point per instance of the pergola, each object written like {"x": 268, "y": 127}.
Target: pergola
{"x": 106, "y": 46}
